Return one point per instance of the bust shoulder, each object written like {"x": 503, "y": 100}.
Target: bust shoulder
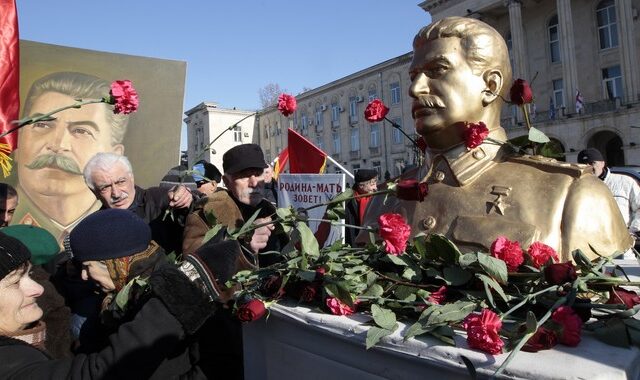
{"x": 551, "y": 165}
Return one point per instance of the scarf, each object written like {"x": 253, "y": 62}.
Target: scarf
{"x": 362, "y": 206}
{"x": 36, "y": 335}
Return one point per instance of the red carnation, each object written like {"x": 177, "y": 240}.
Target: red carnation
{"x": 287, "y": 104}
{"x": 474, "y": 134}
{"x": 338, "y": 308}
{"x": 124, "y": 97}
{"x": 439, "y": 296}
{"x": 395, "y": 232}
{"x": 558, "y": 274}
{"x": 509, "y": 252}
{"x": 571, "y": 325}
{"x": 411, "y": 190}
{"x": 619, "y": 295}
{"x": 251, "y": 311}
{"x": 540, "y": 254}
{"x": 483, "y": 331}
{"x": 543, "y": 339}
{"x": 375, "y": 111}
{"x": 521, "y": 92}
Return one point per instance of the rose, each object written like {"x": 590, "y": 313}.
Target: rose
{"x": 439, "y": 296}
{"x": 286, "y": 104}
{"x": 375, "y": 111}
{"x": 411, "y": 190}
{"x": 474, "y": 134}
{"x": 421, "y": 143}
{"x": 124, "y": 97}
{"x": 571, "y": 325}
{"x": 251, "y": 311}
{"x": 558, "y": 274}
{"x": 619, "y": 295}
{"x": 521, "y": 92}
{"x": 482, "y": 331}
{"x": 540, "y": 254}
{"x": 543, "y": 339}
{"x": 395, "y": 232}
{"x": 338, "y": 308}
{"x": 272, "y": 287}
{"x": 320, "y": 271}
{"x": 309, "y": 292}
{"x": 509, "y": 252}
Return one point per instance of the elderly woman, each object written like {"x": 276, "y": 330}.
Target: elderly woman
{"x": 172, "y": 313}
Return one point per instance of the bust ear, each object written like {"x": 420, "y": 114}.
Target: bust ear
{"x": 493, "y": 81}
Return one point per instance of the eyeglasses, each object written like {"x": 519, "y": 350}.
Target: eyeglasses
{"x": 200, "y": 183}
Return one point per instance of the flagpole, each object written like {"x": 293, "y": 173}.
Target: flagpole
{"x": 340, "y": 166}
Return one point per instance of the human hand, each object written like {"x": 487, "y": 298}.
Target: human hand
{"x": 261, "y": 234}
{"x": 179, "y": 197}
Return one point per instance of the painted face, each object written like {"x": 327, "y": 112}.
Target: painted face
{"x": 18, "y": 307}
{"x": 7, "y": 209}
{"x": 52, "y": 154}
{"x": 246, "y": 186}
{"x": 114, "y": 187}
{"x": 97, "y": 272}
{"x": 445, "y": 90}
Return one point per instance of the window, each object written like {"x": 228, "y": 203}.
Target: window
{"x": 398, "y": 166}
{"x": 554, "y": 40}
{"x": 319, "y": 118}
{"x": 558, "y": 93}
{"x": 336, "y": 142}
{"x": 376, "y": 167}
{"x": 396, "y": 135}
{"x": 266, "y": 131}
{"x": 395, "y": 93}
{"x": 355, "y": 167}
{"x": 320, "y": 143}
{"x": 353, "y": 107}
{"x": 372, "y": 94}
{"x": 303, "y": 122}
{"x": 607, "y": 24}
{"x": 335, "y": 112}
{"x": 355, "y": 139}
{"x": 375, "y": 135}
{"x": 612, "y": 81}
{"x": 237, "y": 134}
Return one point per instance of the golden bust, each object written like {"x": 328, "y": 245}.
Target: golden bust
{"x": 459, "y": 67}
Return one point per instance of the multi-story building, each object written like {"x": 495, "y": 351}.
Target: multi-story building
{"x": 206, "y": 121}
{"x": 568, "y": 49}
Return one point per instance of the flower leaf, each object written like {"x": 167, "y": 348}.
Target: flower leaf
{"x": 384, "y": 318}
{"x": 345, "y": 195}
{"x": 439, "y": 247}
{"x": 615, "y": 334}
{"x": 337, "y": 290}
{"x": 122, "y": 298}
{"x": 494, "y": 267}
{"x": 456, "y": 276}
{"x": 451, "y": 312}
{"x": 444, "y": 333}
{"x": 490, "y": 282}
{"x": 532, "y": 323}
{"x": 538, "y": 136}
{"x": 374, "y": 290}
{"x": 213, "y": 231}
{"x": 375, "y": 334}
{"x": 468, "y": 259}
{"x": 395, "y": 259}
{"x": 415, "y": 330}
{"x": 308, "y": 240}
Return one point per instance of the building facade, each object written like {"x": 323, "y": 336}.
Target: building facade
{"x": 206, "y": 121}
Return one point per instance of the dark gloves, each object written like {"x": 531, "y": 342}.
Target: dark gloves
{"x": 215, "y": 263}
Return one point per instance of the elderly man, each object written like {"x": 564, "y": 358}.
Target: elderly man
{"x": 459, "y": 73}
{"x": 52, "y": 153}
{"x": 243, "y": 167}
{"x": 8, "y": 203}
{"x": 110, "y": 178}
{"x": 365, "y": 182}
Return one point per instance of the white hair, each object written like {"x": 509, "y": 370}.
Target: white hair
{"x": 104, "y": 161}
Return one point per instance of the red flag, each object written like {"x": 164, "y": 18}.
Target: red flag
{"x": 9, "y": 70}
{"x": 281, "y": 162}
{"x": 304, "y": 157}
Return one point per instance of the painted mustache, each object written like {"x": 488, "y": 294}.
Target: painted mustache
{"x": 55, "y": 161}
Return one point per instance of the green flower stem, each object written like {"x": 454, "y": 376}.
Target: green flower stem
{"x": 30, "y": 120}
{"x": 366, "y": 298}
{"x": 414, "y": 285}
{"x": 365, "y": 228}
{"x": 399, "y": 127}
{"x": 208, "y": 146}
{"x": 527, "y": 299}
{"x": 357, "y": 196}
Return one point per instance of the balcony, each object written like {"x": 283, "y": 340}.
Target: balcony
{"x": 374, "y": 150}
{"x": 353, "y": 119}
{"x": 335, "y": 124}
{"x": 354, "y": 154}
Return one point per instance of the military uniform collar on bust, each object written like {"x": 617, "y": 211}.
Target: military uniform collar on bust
{"x": 467, "y": 165}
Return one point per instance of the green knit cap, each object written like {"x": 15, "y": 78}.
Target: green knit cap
{"x": 40, "y": 242}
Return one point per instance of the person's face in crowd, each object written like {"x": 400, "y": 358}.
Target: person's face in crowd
{"x": 268, "y": 174}
{"x": 7, "y": 209}
{"x": 207, "y": 187}
{"x": 18, "y": 307}
{"x": 368, "y": 186}
{"x": 114, "y": 187}
{"x": 444, "y": 88}
{"x": 246, "y": 186}
{"x": 97, "y": 272}
{"x": 52, "y": 154}
{"x": 598, "y": 167}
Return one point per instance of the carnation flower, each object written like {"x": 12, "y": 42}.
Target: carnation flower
{"x": 521, "y": 92}
{"x": 619, "y": 295}
{"x": 474, "y": 134}
{"x": 509, "y": 252}
{"x": 571, "y": 325}
{"x": 124, "y": 97}
{"x": 558, "y": 274}
{"x": 251, "y": 311}
{"x": 338, "y": 308}
{"x": 411, "y": 190}
{"x": 395, "y": 232}
{"x": 375, "y": 111}
{"x": 287, "y": 104}
{"x": 543, "y": 339}
{"x": 483, "y": 331}
{"x": 540, "y": 254}
{"x": 439, "y": 296}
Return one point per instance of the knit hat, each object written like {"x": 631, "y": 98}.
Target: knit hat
{"x": 108, "y": 234}
{"x": 243, "y": 157}
{"x": 42, "y": 245}
{"x": 589, "y": 155}
{"x": 207, "y": 170}
{"x": 12, "y": 254}
{"x": 177, "y": 176}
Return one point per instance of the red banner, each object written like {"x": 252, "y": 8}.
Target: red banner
{"x": 9, "y": 70}
{"x": 304, "y": 157}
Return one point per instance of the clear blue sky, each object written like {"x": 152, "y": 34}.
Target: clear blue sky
{"x": 234, "y": 47}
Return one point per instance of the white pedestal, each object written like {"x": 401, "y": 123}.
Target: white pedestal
{"x": 298, "y": 343}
